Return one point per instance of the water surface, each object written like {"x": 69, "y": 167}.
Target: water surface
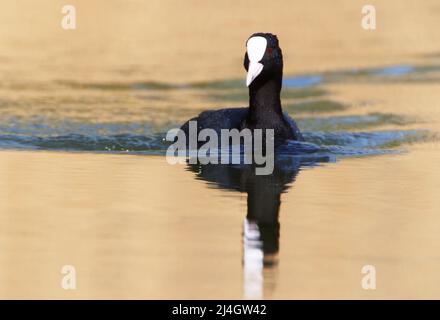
{"x": 85, "y": 182}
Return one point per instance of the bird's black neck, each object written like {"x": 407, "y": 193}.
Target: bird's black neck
{"x": 264, "y": 99}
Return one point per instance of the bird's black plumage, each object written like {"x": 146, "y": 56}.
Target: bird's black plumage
{"x": 264, "y": 111}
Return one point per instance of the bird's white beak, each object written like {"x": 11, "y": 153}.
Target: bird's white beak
{"x": 254, "y": 70}
{"x": 256, "y": 46}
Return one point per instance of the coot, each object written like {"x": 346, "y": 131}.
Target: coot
{"x": 263, "y": 62}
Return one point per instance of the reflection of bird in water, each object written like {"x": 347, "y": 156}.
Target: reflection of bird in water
{"x": 261, "y": 228}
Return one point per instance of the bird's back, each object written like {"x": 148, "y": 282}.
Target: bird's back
{"x": 231, "y": 118}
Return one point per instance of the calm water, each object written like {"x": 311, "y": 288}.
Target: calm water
{"x": 85, "y": 181}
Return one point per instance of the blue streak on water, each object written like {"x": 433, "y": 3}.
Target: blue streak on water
{"x": 346, "y": 76}
{"x": 318, "y": 144}
{"x": 395, "y": 70}
{"x": 352, "y": 143}
{"x": 42, "y": 126}
{"x": 302, "y": 81}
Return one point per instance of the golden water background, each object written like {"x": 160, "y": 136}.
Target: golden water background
{"x": 136, "y": 227}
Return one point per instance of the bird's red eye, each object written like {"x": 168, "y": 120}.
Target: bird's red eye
{"x": 269, "y": 51}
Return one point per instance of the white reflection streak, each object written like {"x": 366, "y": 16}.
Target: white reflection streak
{"x": 252, "y": 261}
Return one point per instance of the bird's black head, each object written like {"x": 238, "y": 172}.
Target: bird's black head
{"x": 263, "y": 59}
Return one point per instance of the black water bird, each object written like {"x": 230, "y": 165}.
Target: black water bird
{"x": 263, "y": 62}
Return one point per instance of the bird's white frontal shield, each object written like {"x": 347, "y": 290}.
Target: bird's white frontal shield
{"x": 256, "y": 47}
